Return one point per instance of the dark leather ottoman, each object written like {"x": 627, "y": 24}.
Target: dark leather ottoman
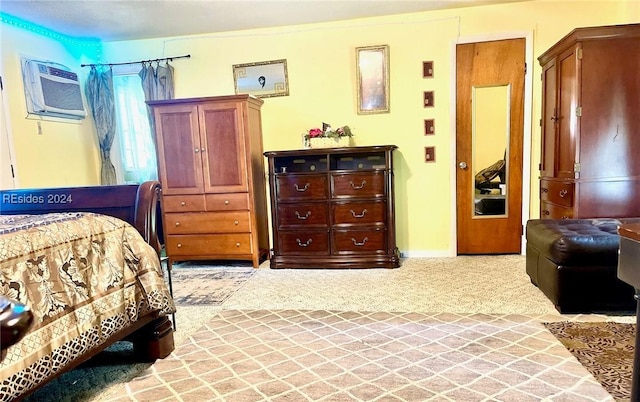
{"x": 574, "y": 263}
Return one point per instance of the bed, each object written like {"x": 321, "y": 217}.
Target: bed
{"x": 86, "y": 261}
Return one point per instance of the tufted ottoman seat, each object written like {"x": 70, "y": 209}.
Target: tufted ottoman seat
{"x": 574, "y": 263}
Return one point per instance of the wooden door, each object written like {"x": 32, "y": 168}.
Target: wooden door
{"x": 480, "y": 66}
{"x": 223, "y": 140}
{"x": 179, "y": 150}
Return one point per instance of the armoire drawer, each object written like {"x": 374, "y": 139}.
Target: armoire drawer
{"x": 208, "y": 245}
{"x": 227, "y": 201}
{"x": 207, "y": 222}
{"x": 182, "y": 203}
{"x": 557, "y": 192}
{"x": 303, "y": 215}
{"x": 302, "y": 187}
{"x": 553, "y": 211}
{"x": 359, "y": 241}
{"x": 359, "y": 213}
{"x": 304, "y": 242}
{"x": 359, "y": 184}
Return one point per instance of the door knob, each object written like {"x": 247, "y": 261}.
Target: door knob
{"x": 462, "y": 165}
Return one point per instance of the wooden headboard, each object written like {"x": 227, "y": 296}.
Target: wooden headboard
{"x": 133, "y": 203}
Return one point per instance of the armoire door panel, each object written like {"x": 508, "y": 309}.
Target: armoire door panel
{"x": 178, "y": 142}
{"x": 567, "y": 143}
{"x": 224, "y": 159}
{"x": 549, "y": 119}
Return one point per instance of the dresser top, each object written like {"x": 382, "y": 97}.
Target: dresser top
{"x": 333, "y": 151}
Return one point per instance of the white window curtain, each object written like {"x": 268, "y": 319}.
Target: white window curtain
{"x": 137, "y": 148}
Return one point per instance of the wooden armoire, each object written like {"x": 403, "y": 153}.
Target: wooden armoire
{"x": 211, "y": 168}
{"x": 590, "y": 164}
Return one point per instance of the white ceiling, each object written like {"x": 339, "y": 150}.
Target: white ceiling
{"x": 115, "y": 20}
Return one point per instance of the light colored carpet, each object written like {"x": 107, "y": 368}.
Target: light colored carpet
{"x": 492, "y": 285}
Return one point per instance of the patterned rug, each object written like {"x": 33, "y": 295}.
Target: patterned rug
{"x": 196, "y": 286}
{"x": 309, "y": 355}
{"x": 604, "y": 348}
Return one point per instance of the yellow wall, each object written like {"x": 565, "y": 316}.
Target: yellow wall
{"x": 66, "y": 153}
{"x": 321, "y": 71}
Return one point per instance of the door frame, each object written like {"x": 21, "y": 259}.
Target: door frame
{"x": 5, "y": 131}
{"x": 527, "y": 127}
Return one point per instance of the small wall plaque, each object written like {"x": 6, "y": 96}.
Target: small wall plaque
{"x": 429, "y": 127}
{"x": 427, "y": 69}
{"x": 428, "y": 99}
{"x": 429, "y": 154}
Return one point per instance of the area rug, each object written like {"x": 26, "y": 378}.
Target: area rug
{"x": 604, "y": 348}
{"x": 195, "y": 286}
{"x": 297, "y": 355}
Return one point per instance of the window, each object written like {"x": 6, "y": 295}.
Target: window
{"x": 137, "y": 149}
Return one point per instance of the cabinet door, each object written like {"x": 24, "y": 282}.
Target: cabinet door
{"x": 223, "y": 139}
{"x": 568, "y": 141}
{"x": 178, "y": 142}
{"x": 549, "y": 119}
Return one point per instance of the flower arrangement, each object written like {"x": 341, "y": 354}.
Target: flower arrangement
{"x": 327, "y": 132}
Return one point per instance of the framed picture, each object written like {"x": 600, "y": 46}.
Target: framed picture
{"x": 262, "y": 79}
{"x": 372, "y": 65}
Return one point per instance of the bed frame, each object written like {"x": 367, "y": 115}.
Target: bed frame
{"x": 152, "y": 335}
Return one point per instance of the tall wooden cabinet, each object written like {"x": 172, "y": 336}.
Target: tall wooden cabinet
{"x": 333, "y": 208}
{"x": 211, "y": 168}
{"x": 590, "y": 125}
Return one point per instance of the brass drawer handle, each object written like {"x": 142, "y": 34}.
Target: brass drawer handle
{"x": 364, "y": 211}
{"x": 306, "y": 216}
{"x": 237, "y": 244}
{"x": 236, "y": 222}
{"x": 226, "y": 202}
{"x": 177, "y": 223}
{"x": 302, "y": 189}
{"x": 544, "y": 190}
{"x": 182, "y": 204}
{"x": 545, "y": 212}
{"x": 565, "y": 217}
{"x": 301, "y": 244}
{"x": 563, "y": 193}
{"x": 179, "y": 245}
{"x": 355, "y": 242}
{"x": 360, "y": 187}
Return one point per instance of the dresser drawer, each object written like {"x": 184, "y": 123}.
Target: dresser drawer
{"x": 182, "y": 203}
{"x": 552, "y": 211}
{"x": 208, "y": 245}
{"x": 307, "y": 242}
{"x": 557, "y": 192}
{"x": 227, "y": 202}
{"x": 303, "y": 215}
{"x": 207, "y": 222}
{"x": 361, "y": 184}
{"x": 359, "y": 241}
{"x": 302, "y": 187}
{"x": 354, "y": 213}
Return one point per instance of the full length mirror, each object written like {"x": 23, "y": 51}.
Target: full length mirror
{"x": 490, "y": 132}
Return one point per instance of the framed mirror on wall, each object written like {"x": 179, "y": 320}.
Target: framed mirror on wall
{"x": 372, "y": 73}
{"x": 262, "y": 79}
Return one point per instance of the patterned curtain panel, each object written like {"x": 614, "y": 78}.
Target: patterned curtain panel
{"x": 99, "y": 92}
{"x": 157, "y": 83}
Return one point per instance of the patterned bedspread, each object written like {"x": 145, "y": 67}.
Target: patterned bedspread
{"x": 85, "y": 277}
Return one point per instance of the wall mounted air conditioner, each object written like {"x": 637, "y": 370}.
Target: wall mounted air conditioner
{"x": 52, "y": 89}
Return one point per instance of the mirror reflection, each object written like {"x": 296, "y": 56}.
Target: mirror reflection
{"x": 490, "y": 149}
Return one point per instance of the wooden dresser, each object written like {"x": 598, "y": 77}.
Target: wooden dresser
{"x": 211, "y": 167}
{"x": 590, "y": 127}
{"x": 333, "y": 208}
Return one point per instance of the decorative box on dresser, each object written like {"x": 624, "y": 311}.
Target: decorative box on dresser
{"x": 211, "y": 167}
{"x": 333, "y": 208}
{"x": 590, "y": 127}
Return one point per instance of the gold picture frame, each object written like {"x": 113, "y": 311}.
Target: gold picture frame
{"x": 372, "y": 72}
{"x": 262, "y": 79}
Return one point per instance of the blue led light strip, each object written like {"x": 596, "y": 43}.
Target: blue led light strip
{"x": 29, "y": 26}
